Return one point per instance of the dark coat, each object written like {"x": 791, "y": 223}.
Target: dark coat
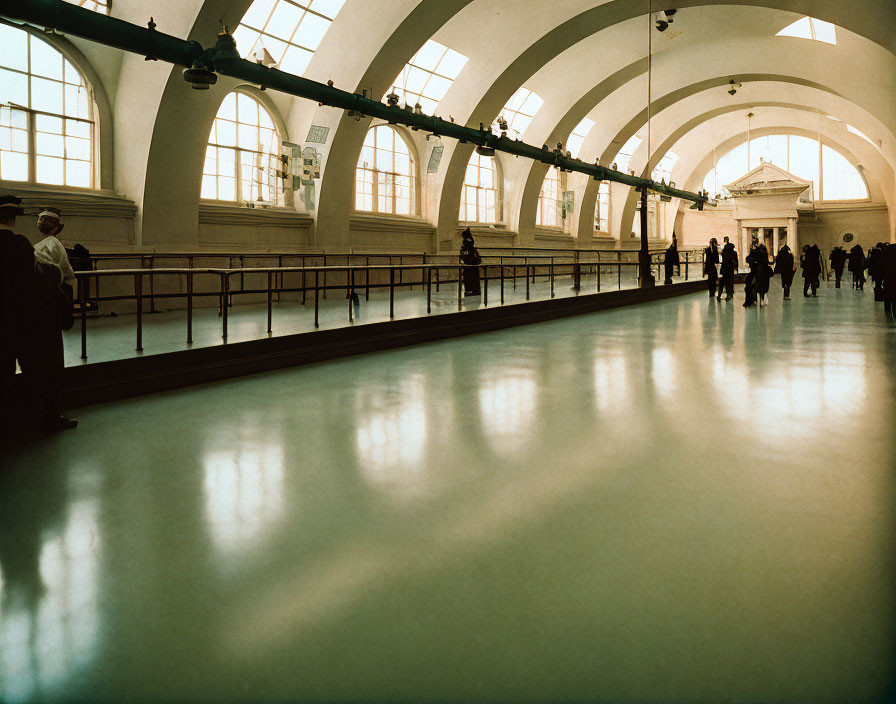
{"x": 18, "y": 289}
{"x": 710, "y": 262}
{"x": 672, "y": 257}
{"x": 729, "y": 260}
{"x": 888, "y": 272}
{"x": 811, "y": 263}
{"x": 784, "y": 266}
{"x": 874, "y": 263}
{"x": 857, "y": 259}
{"x": 838, "y": 259}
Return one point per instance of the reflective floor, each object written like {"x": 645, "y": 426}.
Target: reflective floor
{"x": 680, "y": 501}
{"x": 115, "y": 337}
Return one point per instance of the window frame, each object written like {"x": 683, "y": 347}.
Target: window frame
{"x": 278, "y": 185}
{"x": 375, "y": 182}
{"x": 479, "y": 191}
{"x": 86, "y": 77}
{"x": 542, "y": 209}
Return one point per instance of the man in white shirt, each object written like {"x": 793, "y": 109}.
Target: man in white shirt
{"x": 50, "y": 250}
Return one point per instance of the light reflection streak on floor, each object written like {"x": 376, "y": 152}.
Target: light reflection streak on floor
{"x": 679, "y": 500}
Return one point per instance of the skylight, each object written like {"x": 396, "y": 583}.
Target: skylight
{"x": 519, "y": 111}
{"x": 577, "y": 138}
{"x": 428, "y": 76}
{"x": 625, "y": 154}
{"x": 289, "y": 30}
{"x": 101, "y": 6}
{"x": 811, "y": 28}
{"x": 858, "y": 133}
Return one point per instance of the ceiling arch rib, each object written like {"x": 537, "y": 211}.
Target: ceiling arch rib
{"x": 561, "y": 38}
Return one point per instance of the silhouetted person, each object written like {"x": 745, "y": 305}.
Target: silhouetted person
{"x": 18, "y": 290}
{"x": 888, "y": 276}
{"x": 710, "y": 264}
{"x": 838, "y": 261}
{"x": 671, "y": 260}
{"x": 470, "y": 255}
{"x": 810, "y": 261}
{"x": 763, "y": 273}
{"x": 857, "y": 267}
{"x": 728, "y": 269}
{"x": 875, "y": 271}
{"x": 784, "y": 267}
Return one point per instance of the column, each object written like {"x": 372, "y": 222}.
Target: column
{"x": 792, "y": 238}
{"x": 776, "y": 245}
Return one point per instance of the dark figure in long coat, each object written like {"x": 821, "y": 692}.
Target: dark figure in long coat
{"x": 727, "y": 270}
{"x": 838, "y": 261}
{"x": 470, "y": 255}
{"x": 857, "y": 267}
{"x": 784, "y": 268}
{"x": 763, "y": 272}
{"x": 874, "y": 269}
{"x": 750, "y": 281}
{"x": 811, "y": 263}
{"x": 671, "y": 260}
{"x": 710, "y": 265}
{"x": 18, "y": 292}
{"x": 888, "y": 273}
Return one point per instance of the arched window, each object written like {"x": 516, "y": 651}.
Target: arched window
{"x": 243, "y": 153}
{"x": 384, "y": 179}
{"x": 833, "y": 177}
{"x": 47, "y": 127}
{"x": 478, "y": 202}
{"x": 548, "y": 200}
{"x": 602, "y": 211}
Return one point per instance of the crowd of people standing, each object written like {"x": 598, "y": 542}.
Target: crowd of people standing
{"x": 880, "y": 263}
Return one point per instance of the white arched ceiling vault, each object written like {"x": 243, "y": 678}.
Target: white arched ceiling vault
{"x": 670, "y": 129}
{"x": 161, "y": 125}
{"x": 617, "y": 121}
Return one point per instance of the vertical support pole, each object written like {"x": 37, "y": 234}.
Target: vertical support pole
{"x": 325, "y": 277}
{"x": 225, "y": 294}
{"x": 82, "y": 291}
{"x": 367, "y": 279}
{"x": 304, "y": 284}
{"x": 138, "y": 293}
{"x": 460, "y": 287}
{"x": 619, "y": 274}
{"x": 485, "y": 284}
{"x": 190, "y": 306}
{"x": 279, "y": 276}
{"x": 270, "y": 299}
{"x": 527, "y": 279}
{"x": 552, "y": 277}
{"x": 316, "y": 299}
{"x": 501, "y": 267}
{"x": 576, "y": 272}
{"x": 152, "y": 287}
{"x": 391, "y": 290}
{"x": 646, "y": 277}
{"x": 429, "y": 290}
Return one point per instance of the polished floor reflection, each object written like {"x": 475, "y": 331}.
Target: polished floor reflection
{"x": 679, "y": 501}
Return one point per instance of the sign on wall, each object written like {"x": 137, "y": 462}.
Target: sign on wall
{"x": 318, "y": 134}
{"x": 435, "y": 158}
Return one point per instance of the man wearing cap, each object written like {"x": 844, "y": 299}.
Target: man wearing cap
{"x": 49, "y": 357}
{"x": 18, "y": 292}
{"x": 50, "y": 249}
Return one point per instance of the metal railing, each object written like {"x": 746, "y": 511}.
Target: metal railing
{"x": 313, "y": 284}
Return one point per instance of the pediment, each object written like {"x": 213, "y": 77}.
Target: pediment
{"x": 768, "y": 179}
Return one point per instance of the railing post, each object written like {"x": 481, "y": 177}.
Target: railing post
{"x": 82, "y": 291}
{"x": 190, "y": 306}
{"x": 152, "y": 287}
{"x": 501, "y": 266}
{"x": 429, "y": 290}
{"x": 619, "y": 274}
{"x": 270, "y": 299}
{"x": 527, "y": 278}
{"x": 460, "y": 298}
{"x": 552, "y": 277}
{"x": 597, "y": 269}
{"x": 367, "y": 279}
{"x": 325, "y": 277}
{"x": 279, "y": 276}
{"x": 391, "y": 290}
{"x": 225, "y": 294}
{"x": 350, "y": 279}
{"x": 316, "y": 298}
{"x": 485, "y": 285}
{"x": 138, "y": 293}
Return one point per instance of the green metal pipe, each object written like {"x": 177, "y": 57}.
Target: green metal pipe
{"x": 72, "y": 19}
{"x": 224, "y": 59}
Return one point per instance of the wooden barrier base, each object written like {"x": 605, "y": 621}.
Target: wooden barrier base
{"x": 118, "y": 379}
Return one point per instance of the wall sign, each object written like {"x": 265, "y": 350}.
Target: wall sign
{"x": 318, "y": 134}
